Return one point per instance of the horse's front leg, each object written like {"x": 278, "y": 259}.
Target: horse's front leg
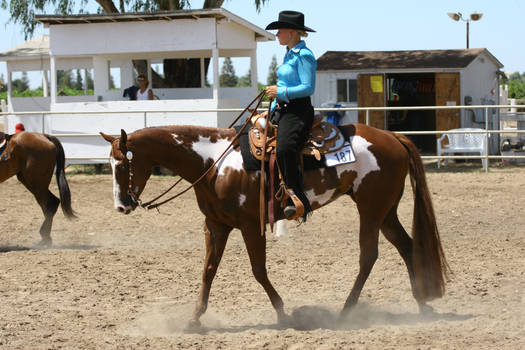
{"x": 216, "y": 237}
{"x": 256, "y": 246}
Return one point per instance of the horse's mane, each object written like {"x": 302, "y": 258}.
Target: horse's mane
{"x": 187, "y": 130}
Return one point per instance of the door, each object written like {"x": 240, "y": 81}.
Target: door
{"x": 447, "y": 94}
{"x": 371, "y": 93}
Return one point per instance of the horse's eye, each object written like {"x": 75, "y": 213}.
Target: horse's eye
{"x": 121, "y": 167}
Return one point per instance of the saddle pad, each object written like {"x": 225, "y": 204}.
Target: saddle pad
{"x": 253, "y": 164}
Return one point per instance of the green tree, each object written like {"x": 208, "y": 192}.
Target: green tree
{"x": 516, "y": 83}
{"x": 245, "y": 80}
{"x": 21, "y": 84}
{"x": 272, "y": 71}
{"x": 78, "y": 81}
{"x": 517, "y": 89}
{"x": 3, "y": 85}
{"x": 90, "y": 83}
{"x": 64, "y": 79}
{"x": 515, "y": 76}
{"x": 227, "y": 78}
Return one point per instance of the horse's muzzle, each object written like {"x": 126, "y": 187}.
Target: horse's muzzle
{"x": 124, "y": 209}
{"x": 127, "y": 205}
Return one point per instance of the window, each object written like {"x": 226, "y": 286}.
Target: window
{"x": 114, "y": 78}
{"x": 157, "y": 73}
{"x": 346, "y": 90}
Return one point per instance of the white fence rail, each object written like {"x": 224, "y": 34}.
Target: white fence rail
{"x": 87, "y": 146}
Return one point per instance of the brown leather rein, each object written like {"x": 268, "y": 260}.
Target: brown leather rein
{"x": 151, "y": 204}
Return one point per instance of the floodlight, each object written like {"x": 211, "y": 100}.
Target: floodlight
{"x": 476, "y": 16}
{"x": 454, "y": 16}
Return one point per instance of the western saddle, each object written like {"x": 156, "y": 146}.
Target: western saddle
{"x": 324, "y": 138}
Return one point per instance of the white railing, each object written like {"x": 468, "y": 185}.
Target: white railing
{"x": 146, "y": 121}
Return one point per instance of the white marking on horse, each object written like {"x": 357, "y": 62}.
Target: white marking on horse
{"x": 177, "y": 141}
{"x": 321, "y": 198}
{"x": 116, "y": 189}
{"x": 207, "y": 149}
{"x": 242, "y": 199}
{"x": 365, "y": 162}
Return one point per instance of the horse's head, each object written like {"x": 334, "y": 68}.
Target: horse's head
{"x": 122, "y": 159}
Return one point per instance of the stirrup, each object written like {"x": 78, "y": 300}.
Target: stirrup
{"x": 291, "y": 212}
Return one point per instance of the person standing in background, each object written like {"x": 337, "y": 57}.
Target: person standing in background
{"x": 144, "y": 92}
{"x": 19, "y": 127}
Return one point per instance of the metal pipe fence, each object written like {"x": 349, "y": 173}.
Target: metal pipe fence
{"x": 115, "y": 113}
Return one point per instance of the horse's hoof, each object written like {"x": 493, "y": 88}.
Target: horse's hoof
{"x": 45, "y": 243}
{"x": 193, "y": 326}
{"x": 425, "y": 309}
{"x": 285, "y": 321}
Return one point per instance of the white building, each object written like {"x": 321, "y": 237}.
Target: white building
{"x": 412, "y": 78}
{"x": 113, "y": 48}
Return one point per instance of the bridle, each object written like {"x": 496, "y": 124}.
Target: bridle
{"x": 151, "y": 204}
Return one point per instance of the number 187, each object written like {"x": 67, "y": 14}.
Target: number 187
{"x": 342, "y": 156}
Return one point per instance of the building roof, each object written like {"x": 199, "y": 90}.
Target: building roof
{"x": 411, "y": 59}
{"x": 37, "y": 47}
{"x": 218, "y": 13}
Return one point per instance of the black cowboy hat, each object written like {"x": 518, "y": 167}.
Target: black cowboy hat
{"x": 290, "y": 19}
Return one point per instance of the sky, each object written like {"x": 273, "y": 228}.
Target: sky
{"x": 374, "y": 25}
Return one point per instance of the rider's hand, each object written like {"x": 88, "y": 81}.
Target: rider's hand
{"x": 271, "y": 91}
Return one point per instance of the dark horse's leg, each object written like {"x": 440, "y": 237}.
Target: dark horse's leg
{"x": 37, "y": 180}
{"x": 216, "y": 238}
{"x": 256, "y": 247}
{"x": 368, "y": 240}
{"x": 396, "y": 234}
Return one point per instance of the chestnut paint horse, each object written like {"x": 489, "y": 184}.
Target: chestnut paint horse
{"x": 229, "y": 198}
{"x": 32, "y": 157}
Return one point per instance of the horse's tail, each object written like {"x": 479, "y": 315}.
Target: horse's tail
{"x": 428, "y": 259}
{"x": 63, "y": 186}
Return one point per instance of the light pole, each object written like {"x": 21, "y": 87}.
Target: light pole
{"x": 458, "y": 16}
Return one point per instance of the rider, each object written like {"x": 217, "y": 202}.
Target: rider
{"x": 291, "y": 106}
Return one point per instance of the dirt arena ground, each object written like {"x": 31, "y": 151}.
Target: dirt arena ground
{"x": 130, "y": 282}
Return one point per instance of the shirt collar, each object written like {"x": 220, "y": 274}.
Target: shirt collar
{"x": 301, "y": 44}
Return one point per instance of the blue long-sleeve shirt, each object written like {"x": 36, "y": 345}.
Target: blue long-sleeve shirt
{"x": 296, "y": 76}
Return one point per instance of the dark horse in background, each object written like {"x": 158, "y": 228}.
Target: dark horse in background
{"x": 32, "y": 157}
{"x": 229, "y": 198}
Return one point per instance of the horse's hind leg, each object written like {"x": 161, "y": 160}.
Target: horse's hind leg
{"x": 256, "y": 247}
{"x": 48, "y": 203}
{"x": 216, "y": 237}
{"x": 396, "y": 234}
{"x": 368, "y": 240}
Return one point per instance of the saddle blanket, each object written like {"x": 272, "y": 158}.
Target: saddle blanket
{"x": 253, "y": 164}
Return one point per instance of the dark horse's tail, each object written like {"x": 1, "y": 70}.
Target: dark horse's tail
{"x": 428, "y": 258}
{"x": 63, "y": 187}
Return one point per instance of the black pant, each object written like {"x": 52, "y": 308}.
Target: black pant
{"x": 294, "y": 120}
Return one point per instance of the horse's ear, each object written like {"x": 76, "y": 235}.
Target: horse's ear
{"x": 106, "y": 137}
{"x": 123, "y": 140}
